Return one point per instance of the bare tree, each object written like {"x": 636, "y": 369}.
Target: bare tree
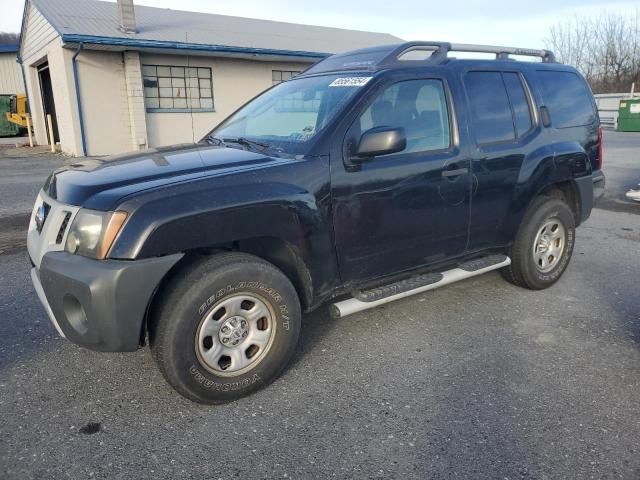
{"x": 606, "y": 49}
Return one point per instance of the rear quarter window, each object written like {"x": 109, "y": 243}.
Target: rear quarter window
{"x": 568, "y": 99}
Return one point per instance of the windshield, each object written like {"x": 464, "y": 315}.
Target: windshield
{"x": 286, "y": 117}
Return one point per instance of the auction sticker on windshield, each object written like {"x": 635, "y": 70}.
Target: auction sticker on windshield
{"x": 350, "y": 82}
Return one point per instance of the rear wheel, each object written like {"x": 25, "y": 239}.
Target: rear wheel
{"x": 543, "y": 245}
{"x": 225, "y": 327}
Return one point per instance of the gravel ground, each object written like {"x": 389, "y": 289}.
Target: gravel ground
{"x": 478, "y": 380}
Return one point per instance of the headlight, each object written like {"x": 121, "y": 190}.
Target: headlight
{"x": 92, "y": 233}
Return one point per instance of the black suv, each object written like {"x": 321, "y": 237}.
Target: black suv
{"x": 374, "y": 175}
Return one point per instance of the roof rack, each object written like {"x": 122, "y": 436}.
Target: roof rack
{"x": 442, "y": 49}
{"x": 389, "y": 56}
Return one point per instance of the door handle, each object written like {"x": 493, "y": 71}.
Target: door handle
{"x": 455, "y": 172}
{"x": 544, "y": 116}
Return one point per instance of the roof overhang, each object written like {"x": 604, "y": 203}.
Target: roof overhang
{"x": 9, "y": 48}
{"x": 120, "y": 44}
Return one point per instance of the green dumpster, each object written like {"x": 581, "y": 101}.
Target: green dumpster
{"x": 7, "y": 129}
{"x": 629, "y": 115}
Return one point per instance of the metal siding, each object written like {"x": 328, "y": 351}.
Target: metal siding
{"x": 38, "y": 32}
{"x": 10, "y": 75}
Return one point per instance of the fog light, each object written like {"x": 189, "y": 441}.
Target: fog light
{"x": 75, "y": 314}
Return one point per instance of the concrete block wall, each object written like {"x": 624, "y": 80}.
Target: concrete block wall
{"x": 135, "y": 100}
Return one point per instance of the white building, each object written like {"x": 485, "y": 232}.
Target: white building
{"x": 117, "y": 79}
{"x": 10, "y": 75}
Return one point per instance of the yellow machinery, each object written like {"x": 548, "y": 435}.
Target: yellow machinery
{"x": 18, "y": 110}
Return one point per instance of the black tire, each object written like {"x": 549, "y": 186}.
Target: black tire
{"x": 185, "y": 302}
{"x": 523, "y": 270}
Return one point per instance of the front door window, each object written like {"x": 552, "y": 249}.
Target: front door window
{"x": 418, "y": 106}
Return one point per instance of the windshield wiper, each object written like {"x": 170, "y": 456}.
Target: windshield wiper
{"x": 248, "y": 143}
{"x": 211, "y": 140}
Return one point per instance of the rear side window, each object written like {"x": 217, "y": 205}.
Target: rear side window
{"x": 568, "y": 99}
{"x": 519, "y": 102}
{"x": 490, "y": 109}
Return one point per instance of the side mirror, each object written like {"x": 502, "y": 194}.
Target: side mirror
{"x": 381, "y": 141}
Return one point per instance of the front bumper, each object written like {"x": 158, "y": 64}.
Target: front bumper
{"x": 100, "y": 305}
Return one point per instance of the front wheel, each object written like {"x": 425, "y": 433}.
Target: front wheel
{"x": 543, "y": 245}
{"x": 225, "y": 327}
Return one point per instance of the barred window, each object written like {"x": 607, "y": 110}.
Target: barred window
{"x": 173, "y": 88}
{"x": 279, "y": 76}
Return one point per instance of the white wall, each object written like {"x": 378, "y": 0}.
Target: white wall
{"x": 10, "y": 75}
{"x": 38, "y": 35}
{"x": 61, "y": 73}
{"x": 105, "y": 108}
{"x": 40, "y": 44}
{"x": 102, "y": 89}
{"x": 107, "y": 100}
{"x": 110, "y": 91}
{"x": 234, "y": 82}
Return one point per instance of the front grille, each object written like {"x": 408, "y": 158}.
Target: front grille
{"x": 63, "y": 227}
{"x": 52, "y": 236}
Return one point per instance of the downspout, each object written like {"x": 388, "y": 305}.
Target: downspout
{"x": 31, "y": 130}
{"x": 78, "y": 100}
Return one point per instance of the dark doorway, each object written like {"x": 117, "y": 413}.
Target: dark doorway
{"x": 46, "y": 90}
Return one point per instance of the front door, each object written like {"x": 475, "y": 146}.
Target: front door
{"x": 403, "y": 210}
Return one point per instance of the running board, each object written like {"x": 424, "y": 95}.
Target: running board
{"x": 366, "y": 299}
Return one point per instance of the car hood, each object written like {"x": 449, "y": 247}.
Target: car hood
{"x": 123, "y": 175}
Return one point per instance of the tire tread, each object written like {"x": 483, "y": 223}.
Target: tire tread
{"x": 516, "y": 273}
{"x": 162, "y": 311}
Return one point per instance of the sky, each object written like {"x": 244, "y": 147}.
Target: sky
{"x": 497, "y": 22}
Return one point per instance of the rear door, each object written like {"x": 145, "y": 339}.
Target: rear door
{"x": 504, "y": 128}
{"x": 403, "y": 210}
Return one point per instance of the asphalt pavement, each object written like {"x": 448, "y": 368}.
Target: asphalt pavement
{"x": 23, "y": 171}
{"x": 477, "y": 380}
{"x": 621, "y": 164}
